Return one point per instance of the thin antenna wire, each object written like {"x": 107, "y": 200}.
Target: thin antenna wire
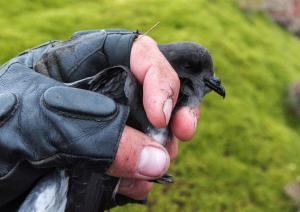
{"x": 150, "y": 29}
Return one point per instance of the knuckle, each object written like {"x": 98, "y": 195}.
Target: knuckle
{"x": 148, "y": 187}
{"x": 144, "y": 189}
{"x": 174, "y": 79}
{"x": 140, "y": 190}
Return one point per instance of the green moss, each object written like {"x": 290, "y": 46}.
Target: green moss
{"x": 247, "y": 146}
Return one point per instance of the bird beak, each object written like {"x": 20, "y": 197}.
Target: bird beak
{"x": 215, "y": 84}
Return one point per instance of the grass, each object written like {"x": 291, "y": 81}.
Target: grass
{"x": 247, "y": 146}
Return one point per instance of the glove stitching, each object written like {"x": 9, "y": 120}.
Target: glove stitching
{"x": 42, "y": 45}
{"x": 71, "y": 71}
{"x": 120, "y": 33}
{"x": 38, "y": 163}
{"x": 4, "y": 70}
{"x": 75, "y": 67}
{"x": 78, "y": 138}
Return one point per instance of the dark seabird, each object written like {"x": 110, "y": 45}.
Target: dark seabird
{"x": 194, "y": 66}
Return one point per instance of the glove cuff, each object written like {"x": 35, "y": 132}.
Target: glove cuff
{"x": 118, "y": 46}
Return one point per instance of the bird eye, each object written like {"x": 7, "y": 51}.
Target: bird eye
{"x": 187, "y": 66}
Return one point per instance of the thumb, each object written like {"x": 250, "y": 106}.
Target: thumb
{"x": 139, "y": 157}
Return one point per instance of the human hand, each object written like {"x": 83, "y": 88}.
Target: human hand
{"x": 70, "y": 119}
{"x": 139, "y": 158}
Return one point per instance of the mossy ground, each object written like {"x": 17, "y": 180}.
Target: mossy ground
{"x": 247, "y": 146}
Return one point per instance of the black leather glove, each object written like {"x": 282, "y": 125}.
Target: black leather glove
{"x": 46, "y": 125}
{"x": 83, "y": 55}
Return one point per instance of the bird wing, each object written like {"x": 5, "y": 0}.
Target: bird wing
{"x": 111, "y": 82}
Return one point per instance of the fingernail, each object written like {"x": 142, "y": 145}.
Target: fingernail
{"x": 167, "y": 109}
{"x": 195, "y": 123}
{"x": 195, "y": 118}
{"x": 153, "y": 162}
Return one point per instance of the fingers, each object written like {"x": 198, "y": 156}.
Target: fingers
{"x": 139, "y": 189}
{"x": 139, "y": 157}
{"x": 160, "y": 82}
{"x": 184, "y": 123}
{"x": 135, "y": 189}
{"x": 161, "y": 87}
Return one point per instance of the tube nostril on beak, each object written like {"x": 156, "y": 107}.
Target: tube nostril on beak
{"x": 216, "y": 80}
{"x": 215, "y": 85}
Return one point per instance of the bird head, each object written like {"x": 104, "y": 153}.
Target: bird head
{"x": 194, "y": 66}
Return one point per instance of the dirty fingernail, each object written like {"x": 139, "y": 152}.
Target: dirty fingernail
{"x": 194, "y": 115}
{"x": 153, "y": 162}
{"x": 167, "y": 109}
{"x": 195, "y": 123}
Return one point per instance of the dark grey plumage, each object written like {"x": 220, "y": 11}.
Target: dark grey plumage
{"x": 194, "y": 66}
